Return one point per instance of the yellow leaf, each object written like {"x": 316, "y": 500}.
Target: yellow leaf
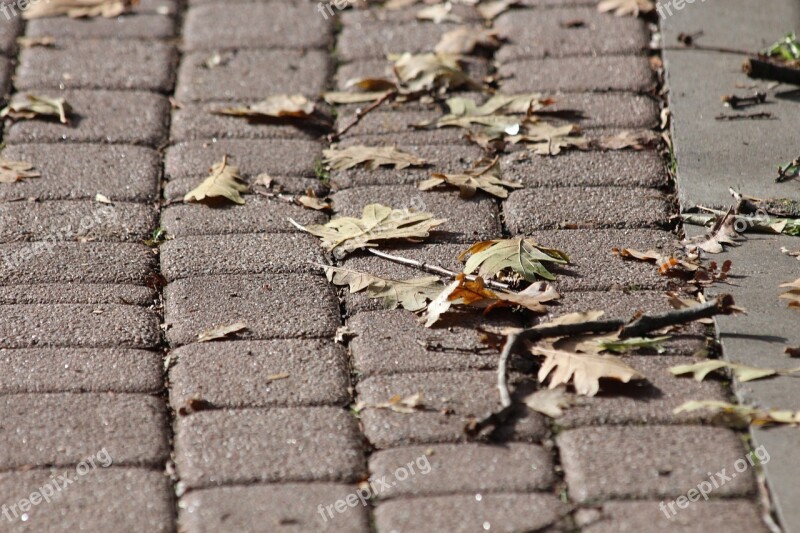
{"x": 742, "y": 372}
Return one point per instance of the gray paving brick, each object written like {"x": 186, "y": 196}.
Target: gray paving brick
{"x": 77, "y": 293}
{"x": 735, "y": 516}
{"x": 655, "y": 461}
{"x": 65, "y": 429}
{"x": 291, "y": 444}
{"x": 528, "y": 210}
{"x": 384, "y": 123}
{"x": 147, "y": 26}
{"x": 96, "y": 64}
{"x": 467, "y": 220}
{"x": 406, "y": 15}
{"x": 615, "y": 110}
{"x": 292, "y": 507}
{"x": 131, "y": 117}
{"x": 80, "y": 370}
{"x": 256, "y": 25}
{"x": 10, "y": 28}
{"x": 388, "y": 342}
{"x": 80, "y": 171}
{"x": 100, "y": 496}
{"x": 362, "y": 40}
{"x": 296, "y": 305}
{"x": 451, "y": 400}
{"x": 463, "y": 468}
{"x": 67, "y": 262}
{"x": 252, "y": 75}
{"x": 76, "y": 220}
{"x": 543, "y": 33}
{"x": 604, "y": 73}
{"x": 5, "y": 75}
{"x": 258, "y": 214}
{"x": 468, "y": 513}
{"x": 273, "y": 253}
{"x": 68, "y": 325}
{"x": 581, "y": 169}
{"x": 237, "y": 374}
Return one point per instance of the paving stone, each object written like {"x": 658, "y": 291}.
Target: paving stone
{"x": 528, "y": 210}
{"x": 5, "y": 75}
{"x": 616, "y": 110}
{"x": 76, "y": 220}
{"x": 196, "y": 121}
{"x": 256, "y": 25}
{"x": 296, "y": 305}
{"x": 100, "y": 496}
{"x": 176, "y": 189}
{"x": 81, "y": 171}
{"x": 593, "y": 169}
{"x": 131, "y": 117}
{"x": 10, "y": 28}
{"x": 735, "y": 516}
{"x": 451, "y": 400}
{"x": 258, "y": 214}
{"x": 392, "y": 341}
{"x": 80, "y": 370}
{"x": 237, "y": 374}
{"x": 68, "y": 325}
{"x": 604, "y": 73}
{"x": 462, "y": 468}
{"x": 441, "y": 158}
{"x": 64, "y": 429}
{"x": 145, "y": 25}
{"x": 384, "y": 123}
{"x": 593, "y": 265}
{"x": 467, "y": 220}
{"x": 253, "y": 157}
{"x": 246, "y": 446}
{"x": 363, "y": 40}
{"x": 655, "y": 461}
{"x": 252, "y": 74}
{"x": 290, "y": 507}
{"x": 406, "y": 15}
{"x": 96, "y": 64}
{"x": 468, "y": 513}
{"x": 476, "y": 68}
{"x": 271, "y": 253}
{"x": 86, "y": 262}
{"x": 77, "y": 293}
{"x": 546, "y": 33}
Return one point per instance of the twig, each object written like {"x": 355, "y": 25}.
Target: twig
{"x": 767, "y": 70}
{"x": 703, "y": 48}
{"x": 502, "y": 370}
{"x": 333, "y": 137}
{"x": 765, "y": 115}
{"x": 433, "y": 269}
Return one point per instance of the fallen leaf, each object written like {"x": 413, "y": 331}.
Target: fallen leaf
{"x": 419, "y": 73}
{"x": 343, "y": 97}
{"x": 397, "y": 403}
{"x": 550, "y": 402}
{"x": 793, "y": 294}
{"x": 438, "y": 13}
{"x": 542, "y": 138}
{"x": 666, "y": 263}
{"x": 310, "y": 201}
{"x": 276, "y": 377}
{"x": 103, "y": 199}
{"x": 370, "y": 156}
{"x": 45, "y": 41}
{"x": 573, "y": 318}
{"x": 486, "y": 179}
{"x": 224, "y": 182}
{"x": 465, "y": 40}
{"x": 637, "y": 140}
{"x": 723, "y": 232}
{"x": 743, "y": 373}
{"x": 378, "y": 223}
{"x": 491, "y": 10}
{"x": 412, "y": 294}
{"x": 622, "y": 346}
{"x": 280, "y": 108}
{"x": 78, "y": 8}
{"x": 221, "y": 332}
{"x": 741, "y": 415}
{"x": 13, "y": 171}
{"x": 790, "y": 253}
{"x": 626, "y": 7}
{"x": 679, "y": 302}
{"x": 31, "y": 106}
{"x": 583, "y": 370}
{"x": 522, "y": 256}
{"x": 497, "y": 112}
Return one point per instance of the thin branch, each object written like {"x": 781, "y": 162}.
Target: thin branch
{"x": 333, "y": 137}
{"x": 703, "y": 48}
{"x": 433, "y": 269}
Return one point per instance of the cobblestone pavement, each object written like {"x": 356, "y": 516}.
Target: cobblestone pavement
{"x": 90, "y": 317}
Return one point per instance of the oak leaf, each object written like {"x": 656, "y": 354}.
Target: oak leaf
{"x": 78, "y": 8}
{"x": 32, "y": 106}
{"x": 542, "y": 138}
{"x": 722, "y": 232}
{"x": 12, "y": 171}
{"x": 523, "y": 257}
{"x": 626, "y": 7}
{"x": 496, "y": 112}
{"x": 310, "y": 201}
{"x": 370, "y": 156}
{"x": 224, "y": 183}
{"x": 583, "y": 370}
{"x": 486, "y": 179}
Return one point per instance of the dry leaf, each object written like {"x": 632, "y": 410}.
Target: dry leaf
{"x": 743, "y": 373}
{"x": 12, "y": 171}
{"x": 626, "y": 7}
{"x": 103, "y": 199}
{"x": 31, "y": 106}
{"x": 46, "y": 41}
{"x": 523, "y": 257}
{"x": 486, "y": 179}
{"x": 428, "y": 72}
{"x": 370, "y": 156}
{"x": 679, "y": 302}
{"x": 550, "y": 402}
{"x": 224, "y": 182}
{"x": 666, "y": 263}
{"x": 635, "y": 140}
{"x": 493, "y": 9}
{"x": 438, "y": 13}
{"x": 723, "y": 232}
{"x": 280, "y": 109}
{"x": 496, "y": 112}
{"x": 542, "y": 138}
{"x": 790, "y": 253}
{"x": 741, "y": 415}
{"x": 465, "y": 40}
{"x": 78, "y": 8}
{"x": 411, "y": 294}
{"x": 397, "y": 403}
{"x": 378, "y": 223}
{"x": 793, "y": 294}
{"x": 222, "y": 332}
{"x": 582, "y": 369}
{"x": 310, "y": 201}
{"x": 341, "y": 97}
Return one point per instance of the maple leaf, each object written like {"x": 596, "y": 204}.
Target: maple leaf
{"x": 626, "y": 7}
{"x": 412, "y": 294}
{"x": 496, "y": 112}
{"x": 522, "y": 256}
{"x": 722, "y": 232}
{"x": 465, "y": 40}
{"x": 419, "y": 73}
{"x": 793, "y": 294}
{"x": 12, "y": 171}
{"x": 378, "y": 223}
{"x": 78, "y": 8}
{"x": 32, "y": 106}
{"x": 370, "y": 156}
{"x": 542, "y": 138}
{"x": 743, "y": 373}
{"x": 628, "y": 139}
{"x": 486, "y": 179}
{"x": 582, "y": 369}
{"x": 221, "y": 332}
{"x": 224, "y": 182}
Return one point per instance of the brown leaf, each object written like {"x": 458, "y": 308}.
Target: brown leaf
{"x": 542, "y": 138}
{"x": 78, "y": 8}
{"x": 221, "y": 332}
{"x": 370, "y": 156}
{"x": 493, "y": 9}
{"x": 224, "y": 183}
{"x": 431, "y": 72}
{"x": 310, "y": 201}
{"x": 486, "y": 179}
{"x": 635, "y": 140}
{"x": 280, "y": 109}
{"x": 583, "y": 370}
{"x": 45, "y": 41}
{"x": 465, "y": 40}
{"x": 626, "y": 7}
{"x": 723, "y": 232}
{"x": 27, "y": 107}
{"x": 667, "y": 264}
{"x": 550, "y": 402}
{"x": 793, "y": 294}
{"x": 438, "y": 13}
{"x": 12, "y": 171}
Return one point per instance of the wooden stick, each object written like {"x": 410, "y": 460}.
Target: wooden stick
{"x": 769, "y": 70}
